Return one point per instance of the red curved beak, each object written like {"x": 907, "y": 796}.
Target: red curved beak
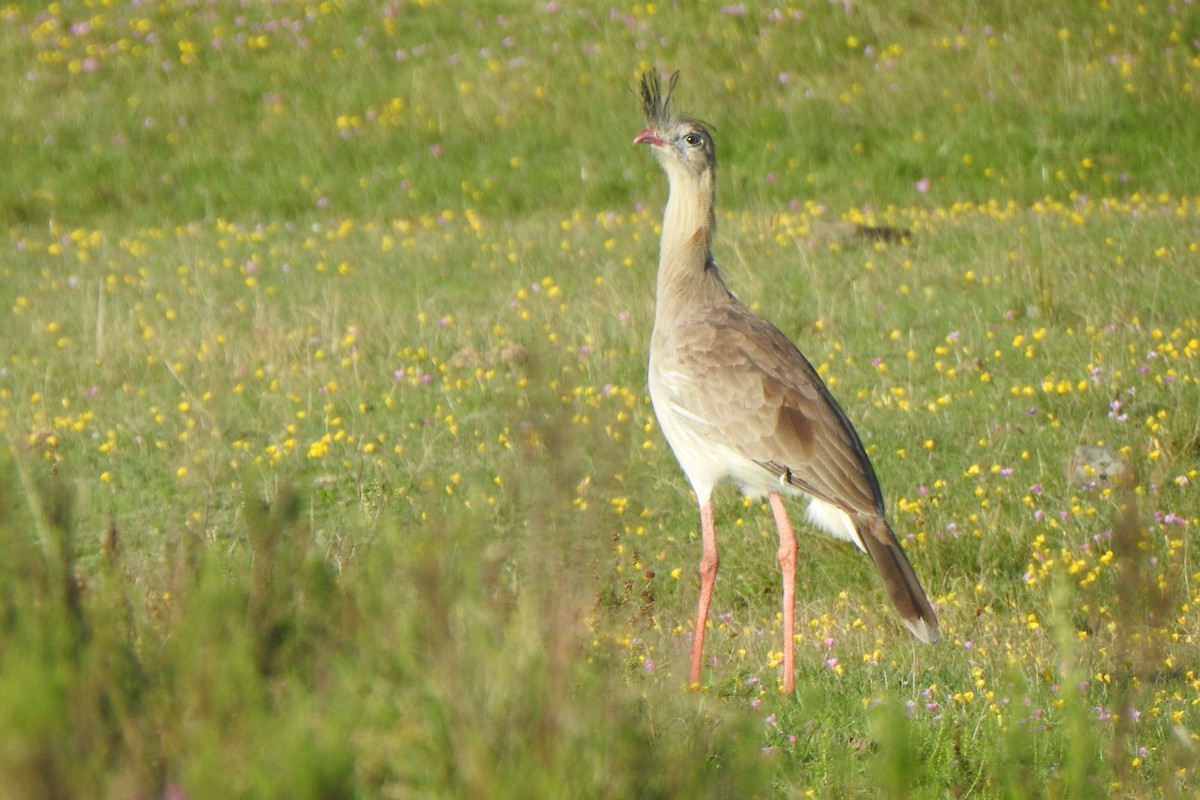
{"x": 651, "y": 137}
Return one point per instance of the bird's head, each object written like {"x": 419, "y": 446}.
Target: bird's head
{"x": 677, "y": 140}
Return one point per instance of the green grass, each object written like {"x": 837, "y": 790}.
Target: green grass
{"x": 329, "y": 468}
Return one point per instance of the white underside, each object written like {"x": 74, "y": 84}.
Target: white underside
{"x": 706, "y": 462}
{"x": 833, "y": 521}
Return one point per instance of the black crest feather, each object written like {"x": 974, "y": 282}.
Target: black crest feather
{"x": 656, "y": 105}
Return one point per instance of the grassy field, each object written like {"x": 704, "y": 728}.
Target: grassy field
{"x": 329, "y": 469}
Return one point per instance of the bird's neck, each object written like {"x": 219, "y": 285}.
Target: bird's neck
{"x": 685, "y": 250}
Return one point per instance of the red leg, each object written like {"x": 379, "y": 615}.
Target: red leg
{"x": 787, "y": 561}
{"x": 708, "y": 577}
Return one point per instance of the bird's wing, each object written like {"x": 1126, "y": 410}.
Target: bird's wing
{"x": 760, "y": 397}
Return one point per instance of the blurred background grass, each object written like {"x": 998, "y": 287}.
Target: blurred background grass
{"x": 168, "y": 112}
{"x": 331, "y": 470}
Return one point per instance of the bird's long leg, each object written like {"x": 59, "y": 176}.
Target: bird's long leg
{"x": 708, "y": 577}
{"x": 787, "y": 562}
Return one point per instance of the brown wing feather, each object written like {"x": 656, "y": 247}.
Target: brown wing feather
{"x": 750, "y": 366}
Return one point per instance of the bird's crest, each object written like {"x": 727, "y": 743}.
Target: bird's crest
{"x": 655, "y": 105}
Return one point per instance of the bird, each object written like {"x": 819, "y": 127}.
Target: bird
{"x": 737, "y": 400}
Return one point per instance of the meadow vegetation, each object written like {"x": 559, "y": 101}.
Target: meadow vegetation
{"x": 329, "y": 468}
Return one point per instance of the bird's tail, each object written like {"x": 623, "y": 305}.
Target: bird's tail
{"x": 902, "y": 585}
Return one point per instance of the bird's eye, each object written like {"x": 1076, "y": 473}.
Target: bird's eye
{"x": 692, "y": 139}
